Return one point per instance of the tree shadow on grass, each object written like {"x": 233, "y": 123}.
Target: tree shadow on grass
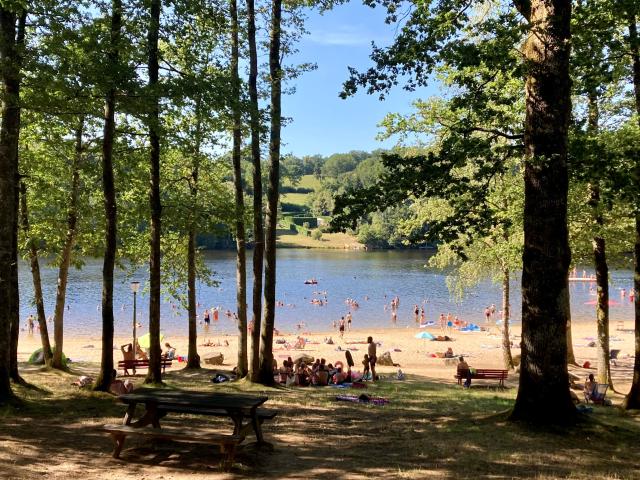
{"x": 428, "y": 429}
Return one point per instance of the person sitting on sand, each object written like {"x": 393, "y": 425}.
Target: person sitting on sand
{"x": 590, "y": 386}
{"x": 118, "y": 387}
{"x": 448, "y": 353}
{"x": 339, "y": 377}
{"x": 302, "y": 375}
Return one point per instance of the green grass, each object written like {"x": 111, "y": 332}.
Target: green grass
{"x": 295, "y": 198}
{"x": 307, "y": 181}
{"x": 428, "y": 430}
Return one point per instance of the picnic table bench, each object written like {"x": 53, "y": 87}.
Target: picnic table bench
{"x": 483, "y": 374}
{"x": 243, "y": 410}
{"x": 132, "y": 365}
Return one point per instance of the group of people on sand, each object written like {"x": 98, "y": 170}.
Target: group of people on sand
{"x": 321, "y": 373}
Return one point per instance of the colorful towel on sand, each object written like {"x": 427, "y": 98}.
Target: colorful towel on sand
{"x": 363, "y": 398}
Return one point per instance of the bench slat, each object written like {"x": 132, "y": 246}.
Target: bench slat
{"x": 177, "y": 435}
{"x": 263, "y": 414}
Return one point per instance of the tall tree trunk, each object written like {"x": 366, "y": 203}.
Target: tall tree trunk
{"x": 543, "y": 394}
{"x": 258, "y": 228}
{"x": 193, "y": 359}
{"x": 506, "y": 316}
{"x": 632, "y": 401}
{"x": 110, "y": 208}
{"x": 268, "y": 322}
{"x": 599, "y": 257}
{"x": 37, "y": 280}
{"x": 69, "y": 242}
{"x": 9, "y": 135}
{"x": 566, "y": 302}
{"x": 15, "y": 306}
{"x": 241, "y": 258}
{"x": 154, "y": 374}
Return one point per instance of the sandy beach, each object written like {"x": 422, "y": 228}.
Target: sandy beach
{"x": 482, "y": 349}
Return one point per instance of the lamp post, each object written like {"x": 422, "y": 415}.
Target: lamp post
{"x": 135, "y": 286}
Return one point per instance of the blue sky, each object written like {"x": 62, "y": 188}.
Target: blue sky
{"x": 322, "y": 122}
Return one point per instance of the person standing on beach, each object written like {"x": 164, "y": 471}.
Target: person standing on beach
{"x": 372, "y": 352}
{"x": 416, "y": 313}
{"x": 216, "y": 314}
{"x": 349, "y": 321}
{"x": 487, "y": 314}
{"x": 341, "y": 327}
{"x": 30, "y": 322}
{"x": 207, "y": 318}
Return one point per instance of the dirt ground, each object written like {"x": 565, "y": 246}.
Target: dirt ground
{"x": 430, "y": 429}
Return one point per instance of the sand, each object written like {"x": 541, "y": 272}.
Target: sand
{"x": 481, "y": 349}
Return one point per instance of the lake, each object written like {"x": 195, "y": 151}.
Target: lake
{"x": 371, "y": 278}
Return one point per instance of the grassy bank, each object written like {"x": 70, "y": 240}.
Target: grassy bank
{"x": 428, "y": 430}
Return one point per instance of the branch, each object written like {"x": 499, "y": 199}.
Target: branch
{"x": 524, "y": 7}
{"x": 509, "y": 136}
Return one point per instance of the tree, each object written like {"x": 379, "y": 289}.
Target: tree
{"x": 271, "y": 223}
{"x": 106, "y": 365}
{"x": 154, "y": 374}
{"x": 258, "y": 226}
{"x": 430, "y": 36}
{"x": 241, "y": 258}
{"x": 37, "y": 281}
{"x": 10, "y": 12}
{"x": 632, "y": 401}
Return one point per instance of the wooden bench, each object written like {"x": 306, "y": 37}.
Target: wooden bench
{"x": 483, "y": 374}
{"x": 133, "y": 365}
{"x": 227, "y": 442}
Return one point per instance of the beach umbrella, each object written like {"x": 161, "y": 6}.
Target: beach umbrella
{"x": 424, "y": 336}
{"x": 145, "y": 340}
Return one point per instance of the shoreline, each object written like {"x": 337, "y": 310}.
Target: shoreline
{"x": 482, "y": 349}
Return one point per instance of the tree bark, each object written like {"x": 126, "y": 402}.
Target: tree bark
{"x": 110, "y": 208}
{"x": 15, "y": 306}
{"x": 632, "y": 401}
{"x": 37, "y": 280}
{"x": 65, "y": 257}
{"x": 154, "y": 374}
{"x": 9, "y": 135}
{"x": 566, "y": 302}
{"x": 258, "y": 228}
{"x": 193, "y": 359}
{"x": 600, "y": 258}
{"x": 543, "y": 394}
{"x": 268, "y": 322}
{"x": 506, "y": 316}
{"x": 241, "y": 258}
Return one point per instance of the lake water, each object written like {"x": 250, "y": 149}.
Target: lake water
{"x": 371, "y": 278}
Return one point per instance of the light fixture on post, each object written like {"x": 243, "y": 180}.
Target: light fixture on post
{"x": 135, "y": 286}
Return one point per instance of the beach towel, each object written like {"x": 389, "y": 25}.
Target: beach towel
{"x": 362, "y": 398}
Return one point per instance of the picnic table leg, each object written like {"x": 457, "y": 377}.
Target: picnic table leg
{"x": 128, "y": 416}
{"x": 257, "y": 428}
{"x": 228, "y": 451}
{"x": 118, "y": 443}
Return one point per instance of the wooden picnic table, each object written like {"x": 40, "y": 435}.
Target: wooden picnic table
{"x": 243, "y": 410}
{"x": 159, "y": 402}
